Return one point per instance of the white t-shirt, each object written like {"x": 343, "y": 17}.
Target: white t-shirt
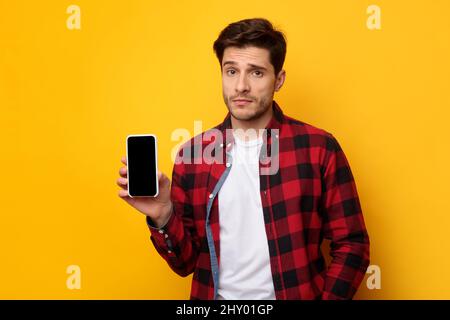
{"x": 244, "y": 270}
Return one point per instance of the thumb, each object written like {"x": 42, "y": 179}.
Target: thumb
{"x": 162, "y": 178}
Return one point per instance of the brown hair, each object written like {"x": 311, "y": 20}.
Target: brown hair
{"x": 258, "y": 32}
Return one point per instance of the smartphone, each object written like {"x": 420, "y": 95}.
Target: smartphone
{"x": 142, "y": 162}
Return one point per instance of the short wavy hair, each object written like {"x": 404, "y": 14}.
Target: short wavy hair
{"x": 258, "y": 32}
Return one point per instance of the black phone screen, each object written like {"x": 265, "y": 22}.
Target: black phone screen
{"x": 142, "y": 166}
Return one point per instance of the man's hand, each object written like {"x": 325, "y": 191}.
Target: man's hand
{"x": 158, "y": 208}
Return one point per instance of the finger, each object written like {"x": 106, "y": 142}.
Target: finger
{"x": 124, "y": 160}
{"x": 162, "y": 178}
{"x": 123, "y": 194}
{"x": 122, "y": 182}
{"x": 123, "y": 172}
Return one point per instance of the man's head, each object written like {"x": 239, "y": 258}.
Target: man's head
{"x": 251, "y": 55}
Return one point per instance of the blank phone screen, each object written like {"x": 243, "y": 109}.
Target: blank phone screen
{"x": 142, "y": 170}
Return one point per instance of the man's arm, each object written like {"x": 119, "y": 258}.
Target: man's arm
{"x": 343, "y": 225}
{"x": 177, "y": 241}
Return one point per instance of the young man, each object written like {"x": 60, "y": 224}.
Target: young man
{"x": 250, "y": 225}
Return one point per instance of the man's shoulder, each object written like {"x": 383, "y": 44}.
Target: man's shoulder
{"x": 293, "y": 127}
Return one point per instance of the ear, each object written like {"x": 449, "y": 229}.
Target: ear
{"x": 280, "y": 80}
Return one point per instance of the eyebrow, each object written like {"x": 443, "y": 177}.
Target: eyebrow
{"x": 249, "y": 64}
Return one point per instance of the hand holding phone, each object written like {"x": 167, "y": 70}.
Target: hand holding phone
{"x": 143, "y": 186}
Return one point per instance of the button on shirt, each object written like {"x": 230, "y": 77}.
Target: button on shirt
{"x": 244, "y": 270}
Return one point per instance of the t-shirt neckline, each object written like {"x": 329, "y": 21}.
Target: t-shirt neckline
{"x": 250, "y": 143}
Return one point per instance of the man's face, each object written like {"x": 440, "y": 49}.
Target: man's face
{"x": 247, "y": 74}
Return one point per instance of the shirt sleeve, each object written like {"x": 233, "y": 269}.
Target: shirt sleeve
{"x": 343, "y": 224}
{"x": 177, "y": 241}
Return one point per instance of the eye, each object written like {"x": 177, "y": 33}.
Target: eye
{"x": 230, "y": 70}
{"x": 258, "y": 73}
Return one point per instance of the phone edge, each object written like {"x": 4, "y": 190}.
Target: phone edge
{"x": 156, "y": 162}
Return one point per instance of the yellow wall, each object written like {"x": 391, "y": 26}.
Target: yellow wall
{"x": 68, "y": 99}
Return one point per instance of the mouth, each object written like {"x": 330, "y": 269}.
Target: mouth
{"x": 242, "y": 102}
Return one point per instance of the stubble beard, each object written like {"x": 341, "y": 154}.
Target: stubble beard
{"x": 262, "y": 106}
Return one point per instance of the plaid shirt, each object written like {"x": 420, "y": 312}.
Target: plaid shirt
{"x": 311, "y": 196}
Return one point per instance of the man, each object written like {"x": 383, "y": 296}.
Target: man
{"x": 249, "y": 228}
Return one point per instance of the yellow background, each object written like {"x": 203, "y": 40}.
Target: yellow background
{"x": 69, "y": 98}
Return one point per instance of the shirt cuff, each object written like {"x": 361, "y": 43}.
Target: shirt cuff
{"x": 152, "y": 225}
{"x": 160, "y": 236}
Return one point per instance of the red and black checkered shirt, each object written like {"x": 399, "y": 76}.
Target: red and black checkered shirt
{"x": 310, "y": 197}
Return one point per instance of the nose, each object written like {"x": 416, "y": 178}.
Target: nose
{"x": 242, "y": 84}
